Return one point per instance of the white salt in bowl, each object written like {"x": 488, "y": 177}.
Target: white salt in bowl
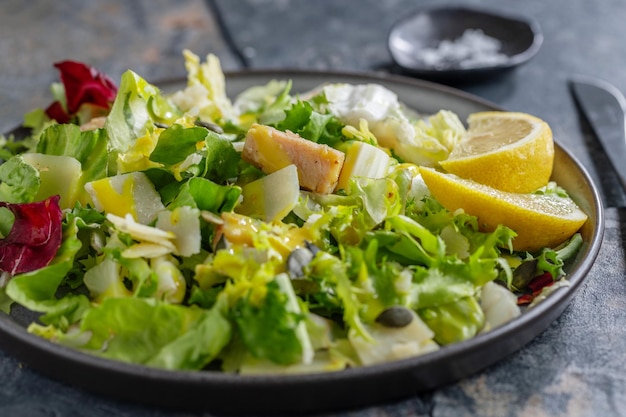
{"x": 458, "y": 44}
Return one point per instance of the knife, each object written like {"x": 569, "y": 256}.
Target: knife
{"x": 604, "y": 107}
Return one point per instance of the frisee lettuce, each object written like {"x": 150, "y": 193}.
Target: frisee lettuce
{"x": 301, "y": 294}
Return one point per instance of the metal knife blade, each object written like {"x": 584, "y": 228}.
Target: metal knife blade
{"x": 604, "y": 107}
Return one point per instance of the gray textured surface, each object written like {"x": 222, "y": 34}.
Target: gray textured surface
{"x": 577, "y": 367}
{"x": 146, "y": 36}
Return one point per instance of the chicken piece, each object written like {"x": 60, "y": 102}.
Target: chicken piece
{"x": 270, "y": 149}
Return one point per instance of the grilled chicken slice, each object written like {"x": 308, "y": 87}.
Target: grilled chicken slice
{"x": 270, "y": 149}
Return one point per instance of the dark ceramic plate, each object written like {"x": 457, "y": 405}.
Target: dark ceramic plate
{"x": 413, "y": 39}
{"x": 296, "y": 394}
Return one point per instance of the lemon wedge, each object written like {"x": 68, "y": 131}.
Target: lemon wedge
{"x": 509, "y": 151}
{"x": 540, "y": 220}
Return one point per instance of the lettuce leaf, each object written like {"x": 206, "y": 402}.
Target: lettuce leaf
{"x": 441, "y": 276}
{"x": 6, "y": 221}
{"x": 378, "y": 283}
{"x": 553, "y": 260}
{"x": 137, "y": 106}
{"x": 423, "y": 142}
{"x": 19, "y": 181}
{"x": 221, "y": 159}
{"x": 267, "y": 328}
{"x": 176, "y": 143}
{"x": 310, "y": 124}
{"x": 337, "y": 289}
{"x": 207, "y": 195}
{"x": 454, "y": 322}
{"x": 380, "y": 197}
{"x": 179, "y": 150}
{"x": 205, "y": 94}
{"x": 133, "y": 329}
{"x": 199, "y": 345}
{"x": 263, "y": 104}
{"x": 88, "y": 147}
{"x": 349, "y": 218}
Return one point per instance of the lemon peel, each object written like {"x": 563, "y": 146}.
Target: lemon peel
{"x": 510, "y": 151}
{"x": 540, "y": 220}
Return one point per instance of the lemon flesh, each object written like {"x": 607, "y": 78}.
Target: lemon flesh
{"x": 539, "y": 220}
{"x": 508, "y": 151}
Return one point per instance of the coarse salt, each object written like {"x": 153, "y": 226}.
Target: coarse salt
{"x": 473, "y": 49}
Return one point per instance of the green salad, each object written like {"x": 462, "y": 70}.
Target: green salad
{"x": 272, "y": 232}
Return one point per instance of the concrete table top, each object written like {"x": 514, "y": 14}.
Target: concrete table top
{"x": 576, "y": 367}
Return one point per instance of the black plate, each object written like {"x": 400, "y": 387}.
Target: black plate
{"x": 520, "y": 38}
{"x": 296, "y": 394}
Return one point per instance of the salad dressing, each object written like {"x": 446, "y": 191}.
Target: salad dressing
{"x": 116, "y": 202}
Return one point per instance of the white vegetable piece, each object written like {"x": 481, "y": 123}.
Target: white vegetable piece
{"x": 59, "y": 174}
{"x": 422, "y": 142}
{"x": 142, "y": 232}
{"x": 192, "y": 98}
{"x": 184, "y": 223}
{"x": 418, "y": 191}
{"x": 365, "y": 161}
{"x": 381, "y": 109}
{"x": 272, "y": 197}
{"x": 153, "y": 242}
{"x": 498, "y": 304}
{"x": 393, "y": 343}
{"x": 170, "y": 281}
{"x": 371, "y": 102}
{"x": 131, "y": 193}
{"x": 104, "y": 280}
{"x": 146, "y": 250}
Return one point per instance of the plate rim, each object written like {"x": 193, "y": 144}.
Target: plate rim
{"x": 552, "y": 307}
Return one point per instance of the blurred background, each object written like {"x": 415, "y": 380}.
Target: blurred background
{"x": 147, "y": 36}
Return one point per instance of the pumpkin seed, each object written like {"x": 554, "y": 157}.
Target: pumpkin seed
{"x": 396, "y": 316}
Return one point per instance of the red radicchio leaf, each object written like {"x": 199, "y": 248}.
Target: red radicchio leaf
{"x": 83, "y": 84}
{"x": 57, "y": 112}
{"x": 536, "y": 285}
{"x": 541, "y": 281}
{"x": 35, "y": 237}
{"x": 524, "y": 299}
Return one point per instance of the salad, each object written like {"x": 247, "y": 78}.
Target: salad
{"x": 273, "y": 232}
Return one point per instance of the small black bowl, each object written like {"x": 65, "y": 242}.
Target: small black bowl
{"x": 415, "y": 42}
